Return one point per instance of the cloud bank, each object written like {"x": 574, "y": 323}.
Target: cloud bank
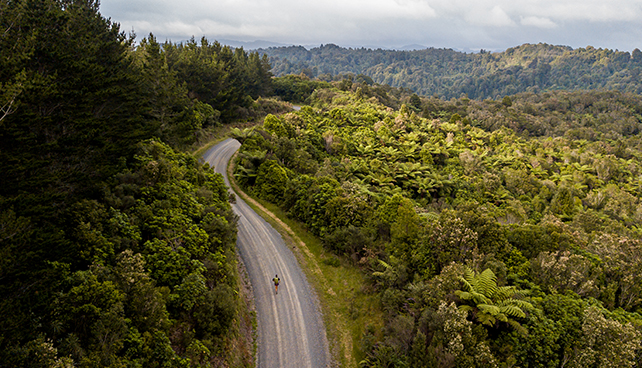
{"x": 458, "y": 24}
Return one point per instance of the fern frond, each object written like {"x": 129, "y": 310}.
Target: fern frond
{"x": 385, "y": 265}
{"x": 479, "y": 298}
{"x": 519, "y": 328}
{"x": 504, "y": 292}
{"x": 522, "y": 304}
{"x": 493, "y": 310}
{"x": 502, "y": 317}
{"x": 467, "y": 285}
{"x": 487, "y": 282}
{"x": 486, "y": 319}
{"x": 513, "y": 311}
{"x": 469, "y": 275}
{"x": 463, "y": 295}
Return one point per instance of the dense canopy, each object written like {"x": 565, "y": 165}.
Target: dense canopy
{"x": 448, "y": 73}
{"x": 495, "y": 232}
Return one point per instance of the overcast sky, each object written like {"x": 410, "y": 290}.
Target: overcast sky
{"x": 467, "y": 25}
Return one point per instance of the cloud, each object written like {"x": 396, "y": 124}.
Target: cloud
{"x": 584, "y": 10}
{"x": 539, "y": 22}
{"x": 588, "y": 10}
{"x": 490, "y": 24}
{"x": 495, "y": 17}
{"x": 373, "y": 10}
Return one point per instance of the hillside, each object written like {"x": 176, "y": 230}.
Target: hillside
{"x": 117, "y": 247}
{"x": 447, "y": 73}
{"x": 487, "y": 246}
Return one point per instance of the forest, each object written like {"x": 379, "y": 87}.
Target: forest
{"x": 117, "y": 246}
{"x": 447, "y": 73}
{"x": 495, "y": 233}
{"x": 492, "y": 200}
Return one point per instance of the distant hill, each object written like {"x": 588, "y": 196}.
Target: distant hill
{"x": 251, "y": 45}
{"x": 412, "y": 47}
{"x": 448, "y": 73}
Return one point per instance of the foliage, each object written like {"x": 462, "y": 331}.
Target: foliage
{"x": 606, "y": 342}
{"x": 296, "y": 88}
{"x": 490, "y": 303}
{"x": 226, "y": 79}
{"x": 271, "y": 181}
{"x": 447, "y": 73}
{"x": 116, "y": 248}
{"x": 491, "y": 195}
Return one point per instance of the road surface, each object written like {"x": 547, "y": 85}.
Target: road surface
{"x": 290, "y": 329}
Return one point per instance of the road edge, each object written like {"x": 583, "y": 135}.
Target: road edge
{"x": 308, "y": 264}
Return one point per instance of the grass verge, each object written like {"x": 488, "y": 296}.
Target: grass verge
{"x": 347, "y": 304}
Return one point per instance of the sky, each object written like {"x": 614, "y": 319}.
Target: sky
{"x": 465, "y": 25}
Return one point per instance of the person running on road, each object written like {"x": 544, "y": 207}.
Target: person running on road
{"x": 276, "y": 283}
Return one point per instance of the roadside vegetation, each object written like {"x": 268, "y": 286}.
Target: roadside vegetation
{"x": 490, "y": 235}
{"x": 347, "y": 305}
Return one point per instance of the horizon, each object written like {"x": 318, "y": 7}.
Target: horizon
{"x": 265, "y": 44}
{"x": 249, "y": 45}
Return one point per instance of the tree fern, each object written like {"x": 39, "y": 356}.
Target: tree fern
{"x": 489, "y": 303}
{"x": 513, "y": 311}
{"x": 487, "y": 283}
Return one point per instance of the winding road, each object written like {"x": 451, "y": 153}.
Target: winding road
{"x": 290, "y": 328}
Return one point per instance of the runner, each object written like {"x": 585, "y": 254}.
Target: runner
{"x": 276, "y": 283}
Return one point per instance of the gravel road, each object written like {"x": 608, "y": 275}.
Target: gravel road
{"x": 290, "y": 328}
